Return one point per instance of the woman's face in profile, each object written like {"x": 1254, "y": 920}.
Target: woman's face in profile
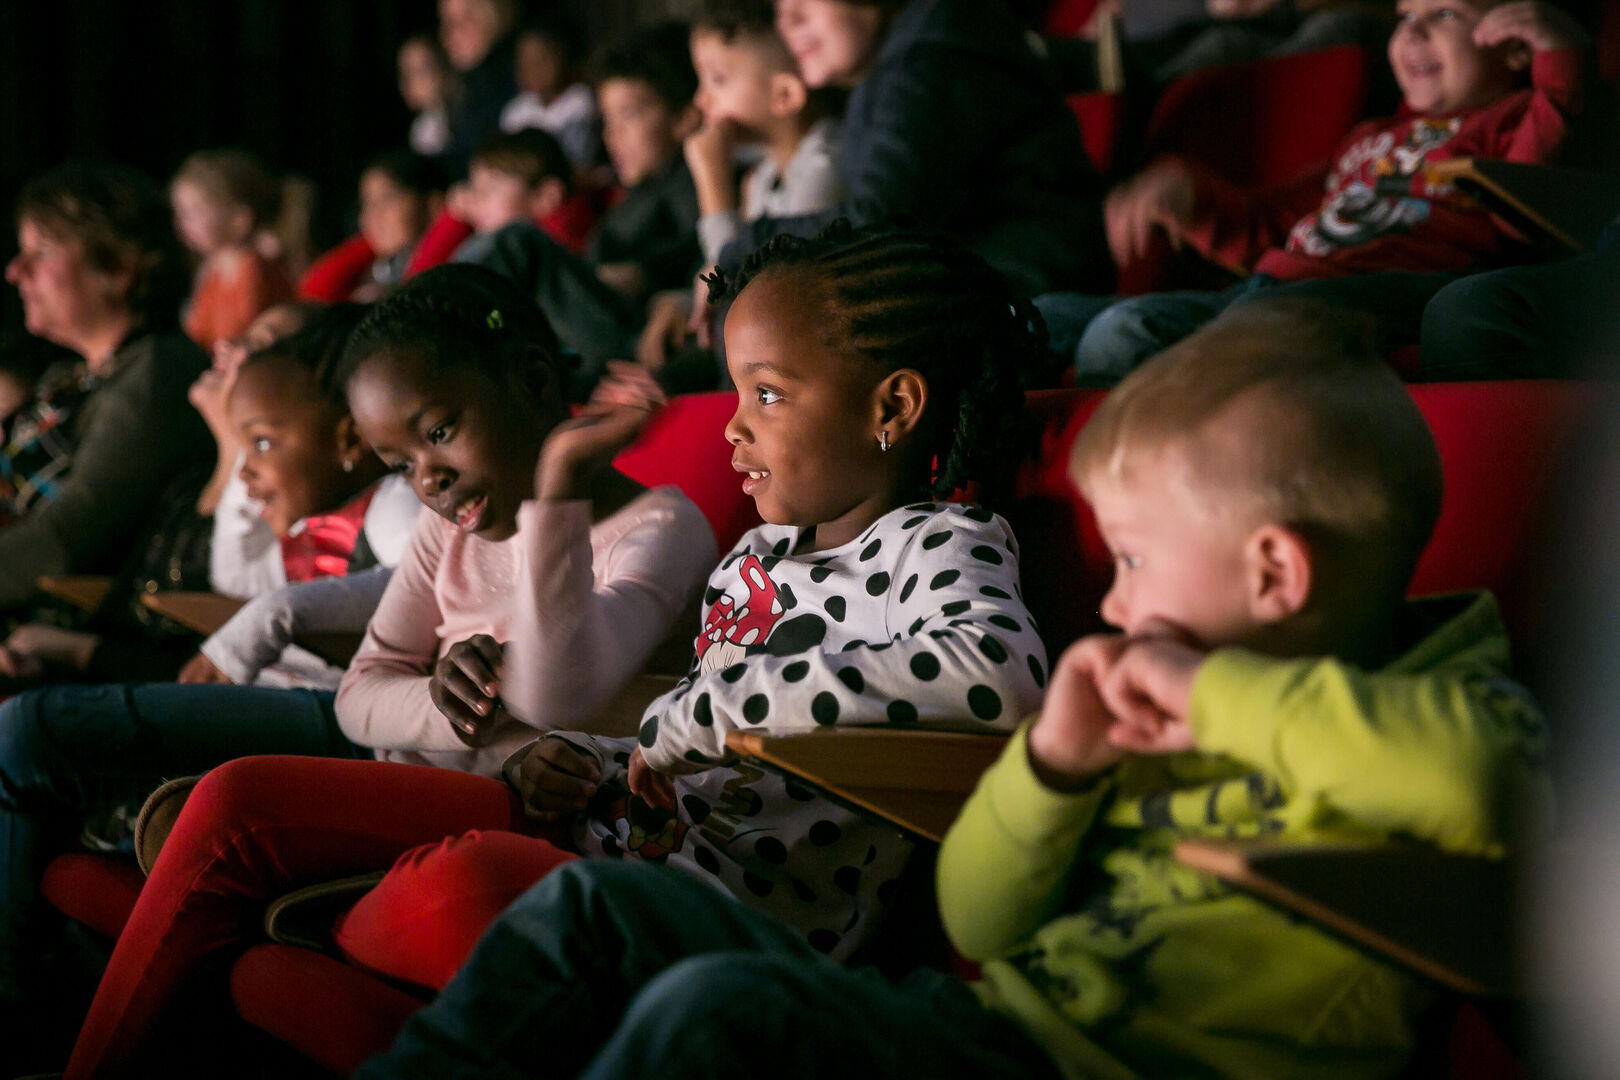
{"x": 63, "y": 296}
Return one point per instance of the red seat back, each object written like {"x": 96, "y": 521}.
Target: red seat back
{"x": 685, "y": 445}
{"x": 1101, "y": 117}
{"x": 1501, "y": 446}
{"x": 1263, "y": 122}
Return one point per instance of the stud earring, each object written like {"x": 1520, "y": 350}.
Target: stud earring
{"x": 883, "y": 441}
{"x": 348, "y": 465}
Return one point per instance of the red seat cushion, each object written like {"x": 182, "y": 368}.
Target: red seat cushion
{"x": 335, "y": 1014}
{"x": 97, "y": 890}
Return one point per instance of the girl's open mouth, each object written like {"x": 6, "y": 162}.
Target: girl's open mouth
{"x": 470, "y": 514}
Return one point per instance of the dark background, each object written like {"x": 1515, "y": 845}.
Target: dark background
{"x": 308, "y": 85}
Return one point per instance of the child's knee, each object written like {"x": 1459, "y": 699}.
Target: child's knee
{"x": 423, "y": 919}
{"x": 1119, "y": 338}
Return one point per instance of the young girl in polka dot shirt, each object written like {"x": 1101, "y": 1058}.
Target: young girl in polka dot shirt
{"x": 874, "y": 375}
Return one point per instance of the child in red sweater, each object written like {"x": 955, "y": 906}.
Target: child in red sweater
{"x": 1375, "y": 208}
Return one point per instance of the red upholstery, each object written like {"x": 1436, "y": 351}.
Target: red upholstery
{"x": 1101, "y": 117}
{"x": 335, "y": 1014}
{"x": 97, "y": 890}
{"x": 1263, "y": 122}
{"x": 686, "y": 445}
{"x": 444, "y": 234}
{"x": 336, "y": 274}
{"x": 1066, "y": 18}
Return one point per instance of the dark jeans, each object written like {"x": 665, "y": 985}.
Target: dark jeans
{"x": 1558, "y": 320}
{"x": 610, "y": 969}
{"x": 1109, "y": 342}
{"x": 69, "y": 751}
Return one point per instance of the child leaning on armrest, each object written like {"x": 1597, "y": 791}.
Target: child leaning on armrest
{"x": 1266, "y": 492}
{"x": 1477, "y": 79}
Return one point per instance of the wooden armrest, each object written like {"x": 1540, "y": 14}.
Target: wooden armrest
{"x": 83, "y": 592}
{"x": 1448, "y": 917}
{"x": 199, "y": 611}
{"x": 1568, "y": 206}
{"x": 915, "y": 779}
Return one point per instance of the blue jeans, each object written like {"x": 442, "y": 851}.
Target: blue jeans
{"x": 628, "y": 969}
{"x": 68, "y": 751}
{"x": 1111, "y": 342}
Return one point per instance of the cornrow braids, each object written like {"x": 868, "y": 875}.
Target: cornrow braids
{"x": 318, "y": 347}
{"x": 464, "y": 317}
{"x": 908, "y": 298}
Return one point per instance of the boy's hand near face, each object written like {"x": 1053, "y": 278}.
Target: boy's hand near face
{"x": 1161, "y": 195}
{"x": 555, "y": 780}
{"x": 1147, "y": 690}
{"x": 466, "y": 688}
{"x": 709, "y": 153}
{"x": 1069, "y": 744}
{"x": 1540, "y": 26}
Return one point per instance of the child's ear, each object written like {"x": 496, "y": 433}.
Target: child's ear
{"x": 242, "y": 222}
{"x": 352, "y": 447}
{"x": 547, "y": 196}
{"x": 901, "y": 399}
{"x": 788, "y": 94}
{"x": 1277, "y": 570}
{"x": 687, "y": 122}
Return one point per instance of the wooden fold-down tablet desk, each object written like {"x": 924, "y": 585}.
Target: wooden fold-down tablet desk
{"x": 207, "y": 612}
{"x": 83, "y": 592}
{"x": 1448, "y": 917}
{"x": 915, "y": 779}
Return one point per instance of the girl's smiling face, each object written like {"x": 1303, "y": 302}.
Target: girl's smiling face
{"x": 295, "y": 442}
{"x": 467, "y": 446}
{"x": 805, "y": 429}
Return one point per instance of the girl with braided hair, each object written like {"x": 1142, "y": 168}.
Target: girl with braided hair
{"x": 872, "y": 382}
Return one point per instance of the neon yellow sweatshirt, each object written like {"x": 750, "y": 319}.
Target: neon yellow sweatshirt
{"x": 1124, "y": 963}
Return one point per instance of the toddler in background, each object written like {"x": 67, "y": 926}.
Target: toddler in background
{"x": 552, "y": 96}
{"x": 1266, "y": 488}
{"x": 400, "y": 192}
{"x": 750, "y": 93}
{"x": 523, "y": 177}
{"x": 426, "y": 84}
{"x": 225, "y": 206}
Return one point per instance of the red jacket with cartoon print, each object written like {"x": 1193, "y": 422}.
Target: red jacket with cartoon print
{"x": 1374, "y": 206}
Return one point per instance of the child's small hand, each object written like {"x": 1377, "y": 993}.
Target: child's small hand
{"x": 1540, "y": 26}
{"x": 1068, "y": 744}
{"x": 53, "y": 646}
{"x": 654, "y": 787}
{"x": 667, "y": 327}
{"x": 619, "y": 408}
{"x": 555, "y": 780}
{"x": 201, "y": 670}
{"x": 466, "y": 688}
{"x": 1161, "y": 195}
{"x": 17, "y": 665}
{"x": 709, "y": 154}
{"x": 208, "y": 396}
{"x": 1147, "y": 690}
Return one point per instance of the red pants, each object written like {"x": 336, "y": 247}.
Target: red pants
{"x": 259, "y": 827}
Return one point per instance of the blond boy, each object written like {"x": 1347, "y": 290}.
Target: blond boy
{"x": 1266, "y": 488}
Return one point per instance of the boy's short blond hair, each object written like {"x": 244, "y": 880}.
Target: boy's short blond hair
{"x": 1282, "y": 412}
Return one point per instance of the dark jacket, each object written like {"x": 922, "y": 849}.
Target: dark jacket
{"x": 959, "y": 126}
{"x": 655, "y": 227}
{"x": 131, "y": 437}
